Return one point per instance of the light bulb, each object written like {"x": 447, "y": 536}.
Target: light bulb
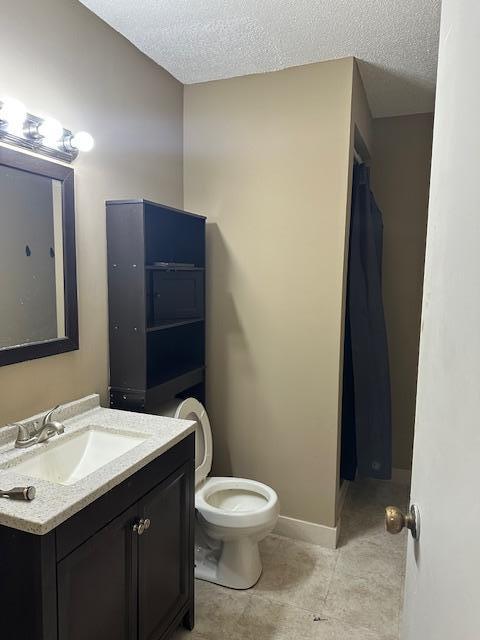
{"x": 82, "y": 141}
{"x": 13, "y": 112}
{"x": 51, "y": 131}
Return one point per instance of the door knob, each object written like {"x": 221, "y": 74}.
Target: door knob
{"x": 396, "y": 520}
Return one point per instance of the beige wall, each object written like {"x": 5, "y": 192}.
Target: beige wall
{"x": 59, "y": 58}
{"x": 400, "y": 180}
{"x": 267, "y": 159}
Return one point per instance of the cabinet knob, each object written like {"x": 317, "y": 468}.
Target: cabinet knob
{"x": 139, "y": 527}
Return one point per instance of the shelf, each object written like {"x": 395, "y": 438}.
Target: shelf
{"x": 165, "y": 389}
{"x": 154, "y": 267}
{"x": 173, "y": 372}
{"x": 165, "y": 302}
{"x": 170, "y": 324}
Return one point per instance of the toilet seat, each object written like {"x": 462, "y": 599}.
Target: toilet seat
{"x": 244, "y": 503}
{"x": 192, "y": 409}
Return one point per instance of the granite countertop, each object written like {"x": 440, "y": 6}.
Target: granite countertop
{"x": 55, "y": 503}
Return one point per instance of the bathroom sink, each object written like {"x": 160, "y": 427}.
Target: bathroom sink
{"x": 66, "y": 461}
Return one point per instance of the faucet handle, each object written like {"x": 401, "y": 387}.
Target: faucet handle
{"x": 24, "y": 434}
{"x": 23, "y": 431}
{"x": 48, "y": 416}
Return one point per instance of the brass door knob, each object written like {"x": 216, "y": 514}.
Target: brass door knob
{"x": 396, "y": 520}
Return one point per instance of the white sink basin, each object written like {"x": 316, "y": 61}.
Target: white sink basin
{"x": 68, "y": 461}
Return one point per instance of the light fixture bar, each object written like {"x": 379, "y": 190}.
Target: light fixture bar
{"x": 28, "y": 136}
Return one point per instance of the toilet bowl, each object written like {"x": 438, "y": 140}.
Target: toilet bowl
{"x": 232, "y": 514}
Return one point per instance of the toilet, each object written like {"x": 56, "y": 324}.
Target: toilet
{"x": 232, "y": 514}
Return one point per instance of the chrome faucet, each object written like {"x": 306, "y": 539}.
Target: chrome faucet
{"x": 42, "y": 432}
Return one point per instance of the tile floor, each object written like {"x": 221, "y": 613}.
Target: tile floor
{"x": 310, "y": 593}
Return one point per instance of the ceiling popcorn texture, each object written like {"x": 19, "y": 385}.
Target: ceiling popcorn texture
{"x": 396, "y": 41}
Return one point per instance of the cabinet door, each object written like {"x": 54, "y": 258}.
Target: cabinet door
{"x": 97, "y": 585}
{"x": 165, "y": 554}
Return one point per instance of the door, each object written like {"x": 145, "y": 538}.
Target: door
{"x": 97, "y": 585}
{"x": 165, "y": 562}
{"x": 442, "y": 600}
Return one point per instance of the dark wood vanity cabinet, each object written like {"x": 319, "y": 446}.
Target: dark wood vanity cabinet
{"x": 97, "y": 583}
{"x": 162, "y": 585}
{"x": 95, "y": 577}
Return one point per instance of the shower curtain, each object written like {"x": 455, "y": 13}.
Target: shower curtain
{"x": 366, "y": 405}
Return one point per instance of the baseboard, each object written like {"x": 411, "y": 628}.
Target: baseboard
{"x": 402, "y": 476}
{"x": 307, "y": 532}
{"x": 320, "y": 534}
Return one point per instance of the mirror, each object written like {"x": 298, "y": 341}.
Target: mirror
{"x": 38, "y": 303}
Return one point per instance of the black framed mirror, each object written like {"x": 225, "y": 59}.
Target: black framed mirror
{"x": 38, "y": 281}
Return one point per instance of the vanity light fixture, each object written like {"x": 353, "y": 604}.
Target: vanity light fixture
{"x": 42, "y": 135}
{"x": 51, "y": 132}
{"x": 82, "y": 141}
{"x": 13, "y": 113}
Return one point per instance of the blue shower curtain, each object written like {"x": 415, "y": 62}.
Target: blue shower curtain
{"x": 366, "y": 406}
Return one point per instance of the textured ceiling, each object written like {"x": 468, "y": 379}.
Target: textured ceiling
{"x": 198, "y": 40}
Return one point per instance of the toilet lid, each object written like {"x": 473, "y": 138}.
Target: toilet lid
{"x": 192, "y": 409}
